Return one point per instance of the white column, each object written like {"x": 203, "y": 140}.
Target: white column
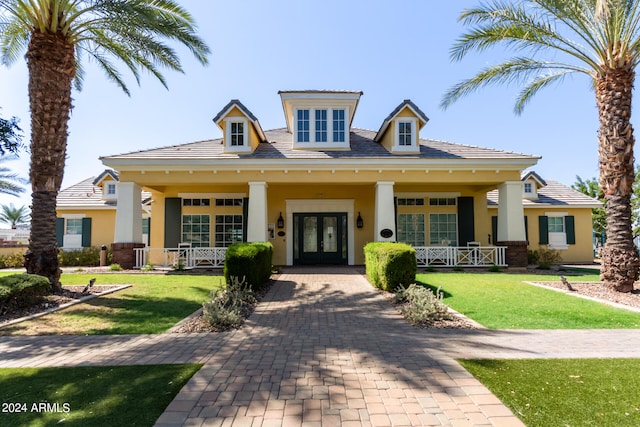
{"x": 257, "y": 216}
{"x": 385, "y": 215}
{"x": 128, "y": 214}
{"x": 510, "y": 213}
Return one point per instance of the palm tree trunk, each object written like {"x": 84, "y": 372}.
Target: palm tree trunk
{"x": 51, "y": 65}
{"x": 620, "y": 262}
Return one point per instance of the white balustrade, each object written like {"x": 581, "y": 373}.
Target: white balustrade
{"x": 181, "y": 257}
{"x": 461, "y": 256}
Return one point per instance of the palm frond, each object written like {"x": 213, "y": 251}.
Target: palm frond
{"x": 533, "y": 87}
{"x": 513, "y": 71}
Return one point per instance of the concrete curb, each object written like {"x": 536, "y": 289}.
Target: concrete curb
{"x": 63, "y": 306}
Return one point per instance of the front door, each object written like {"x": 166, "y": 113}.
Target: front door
{"x": 320, "y": 238}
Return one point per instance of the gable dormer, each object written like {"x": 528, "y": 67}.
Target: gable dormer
{"x": 240, "y": 128}
{"x": 400, "y": 131}
{"x": 531, "y": 183}
{"x": 319, "y": 119}
{"x": 108, "y": 182}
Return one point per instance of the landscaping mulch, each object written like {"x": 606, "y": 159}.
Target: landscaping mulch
{"x": 599, "y": 291}
{"x": 69, "y": 294}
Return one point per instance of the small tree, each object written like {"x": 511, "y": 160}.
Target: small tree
{"x": 591, "y": 188}
{"x": 10, "y": 136}
{"x": 14, "y": 216}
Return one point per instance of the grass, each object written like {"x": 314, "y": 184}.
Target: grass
{"x": 503, "y": 301}
{"x": 565, "y": 392}
{"x": 90, "y": 396}
{"x": 153, "y": 304}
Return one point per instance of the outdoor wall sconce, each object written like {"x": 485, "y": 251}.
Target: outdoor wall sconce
{"x": 280, "y": 221}
{"x": 359, "y": 221}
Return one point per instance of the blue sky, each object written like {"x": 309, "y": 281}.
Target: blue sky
{"x": 390, "y": 50}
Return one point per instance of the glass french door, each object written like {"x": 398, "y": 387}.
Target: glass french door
{"x": 320, "y": 238}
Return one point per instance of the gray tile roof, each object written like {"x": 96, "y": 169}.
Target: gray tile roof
{"x": 280, "y": 147}
{"x": 554, "y": 194}
{"x": 88, "y": 196}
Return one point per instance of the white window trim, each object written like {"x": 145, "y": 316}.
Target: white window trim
{"x": 244, "y": 148}
{"x": 105, "y": 190}
{"x": 562, "y": 246}
{"x": 71, "y": 241}
{"x": 533, "y": 194}
{"x": 414, "y": 135}
{"x": 330, "y": 143}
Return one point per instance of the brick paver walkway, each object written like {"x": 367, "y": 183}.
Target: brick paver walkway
{"x": 324, "y": 348}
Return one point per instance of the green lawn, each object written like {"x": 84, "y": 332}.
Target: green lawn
{"x": 565, "y": 392}
{"x": 504, "y": 301}
{"x": 89, "y": 396}
{"x": 153, "y": 304}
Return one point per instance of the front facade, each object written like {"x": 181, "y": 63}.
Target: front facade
{"x": 319, "y": 189}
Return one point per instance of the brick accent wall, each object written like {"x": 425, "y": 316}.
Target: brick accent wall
{"x": 516, "y": 255}
{"x": 124, "y": 254}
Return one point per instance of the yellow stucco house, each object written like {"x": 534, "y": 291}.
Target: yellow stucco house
{"x": 319, "y": 190}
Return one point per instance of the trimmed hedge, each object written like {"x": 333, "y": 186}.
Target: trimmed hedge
{"x": 390, "y": 265}
{"x": 22, "y": 290}
{"x": 249, "y": 260}
{"x": 85, "y": 257}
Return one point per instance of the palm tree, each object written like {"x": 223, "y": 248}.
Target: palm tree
{"x": 57, "y": 35}
{"x": 553, "y": 39}
{"x": 13, "y": 216}
{"x": 10, "y": 182}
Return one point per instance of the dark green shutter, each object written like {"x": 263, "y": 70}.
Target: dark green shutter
{"x": 543, "y": 223}
{"x": 466, "y": 226}
{"x": 245, "y": 218}
{"x": 172, "y": 221}
{"x": 86, "y": 232}
{"x": 494, "y": 230}
{"x": 146, "y": 224}
{"x": 60, "y": 232}
{"x": 569, "y": 223}
{"x": 526, "y": 228}
{"x": 395, "y": 217}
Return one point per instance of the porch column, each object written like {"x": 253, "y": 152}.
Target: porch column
{"x": 257, "y": 215}
{"x": 385, "y": 215}
{"x": 128, "y": 232}
{"x": 128, "y": 214}
{"x": 511, "y": 232}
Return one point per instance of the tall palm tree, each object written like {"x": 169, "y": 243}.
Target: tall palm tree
{"x": 10, "y": 182}
{"x": 551, "y": 40}
{"x": 57, "y": 35}
{"x": 13, "y": 216}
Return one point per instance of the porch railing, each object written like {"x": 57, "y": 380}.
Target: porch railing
{"x": 460, "y": 256}
{"x": 426, "y": 256}
{"x": 184, "y": 257}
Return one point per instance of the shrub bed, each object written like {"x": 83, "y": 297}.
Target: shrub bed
{"x": 251, "y": 261}
{"x": 21, "y": 290}
{"x": 390, "y": 265}
{"x": 85, "y": 257}
{"x": 14, "y": 260}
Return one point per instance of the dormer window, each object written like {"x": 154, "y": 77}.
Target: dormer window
{"x": 111, "y": 189}
{"x": 405, "y": 135}
{"x": 241, "y": 130}
{"x": 338, "y": 125}
{"x": 237, "y": 138}
{"x": 303, "y": 125}
{"x": 528, "y": 188}
{"x": 237, "y": 134}
{"x": 321, "y": 125}
{"x": 321, "y": 128}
